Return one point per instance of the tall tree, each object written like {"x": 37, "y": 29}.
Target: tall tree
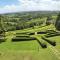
{"x": 57, "y": 23}
{"x": 48, "y": 21}
{"x": 1, "y": 23}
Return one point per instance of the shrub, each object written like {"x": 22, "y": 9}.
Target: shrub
{"x": 22, "y": 39}
{"x": 41, "y": 32}
{"x": 21, "y": 35}
{"x": 2, "y": 39}
{"x": 52, "y": 34}
{"x": 31, "y": 33}
{"x": 42, "y": 43}
{"x": 49, "y": 41}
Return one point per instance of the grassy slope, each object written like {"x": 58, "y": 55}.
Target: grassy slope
{"x": 29, "y": 50}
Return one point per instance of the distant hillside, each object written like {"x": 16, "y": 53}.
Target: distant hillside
{"x": 22, "y": 20}
{"x": 35, "y": 12}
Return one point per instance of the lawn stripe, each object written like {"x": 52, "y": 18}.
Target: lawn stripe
{"x": 55, "y": 51}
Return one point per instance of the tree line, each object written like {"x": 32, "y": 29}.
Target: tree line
{"x": 18, "y": 22}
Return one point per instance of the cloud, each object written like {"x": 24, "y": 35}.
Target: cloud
{"x": 31, "y": 5}
{"x": 40, "y": 4}
{"x": 56, "y": 0}
{"x": 7, "y": 8}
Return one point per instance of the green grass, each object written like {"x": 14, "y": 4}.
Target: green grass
{"x": 29, "y": 50}
{"x": 57, "y": 39}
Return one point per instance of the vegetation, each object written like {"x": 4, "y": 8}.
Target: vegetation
{"x": 19, "y": 21}
{"x": 49, "y": 20}
{"x": 57, "y": 24}
{"x": 26, "y": 35}
{"x": 49, "y": 41}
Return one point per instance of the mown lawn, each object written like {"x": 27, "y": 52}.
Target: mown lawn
{"x": 57, "y": 39}
{"x": 28, "y": 50}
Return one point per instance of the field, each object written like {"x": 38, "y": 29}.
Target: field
{"x": 29, "y": 50}
{"x": 30, "y": 36}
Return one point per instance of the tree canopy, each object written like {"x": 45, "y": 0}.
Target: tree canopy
{"x": 57, "y": 24}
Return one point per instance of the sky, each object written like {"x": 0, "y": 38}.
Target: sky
{"x": 8, "y": 6}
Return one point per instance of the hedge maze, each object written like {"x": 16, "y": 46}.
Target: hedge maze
{"x": 41, "y": 41}
{"x": 22, "y": 37}
{"x": 28, "y": 37}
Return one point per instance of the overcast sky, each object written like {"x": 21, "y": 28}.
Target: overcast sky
{"x": 7, "y": 6}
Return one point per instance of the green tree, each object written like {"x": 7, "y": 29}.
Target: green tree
{"x": 48, "y": 21}
{"x": 57, "y": 23}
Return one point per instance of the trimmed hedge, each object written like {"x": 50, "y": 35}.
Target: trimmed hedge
{"x": 23, "y": 39}
{"x": 41, "y": 32}
{"x": 31, "y": 33}
{"x": 52, "y": 34}
{"x": 22, "y": 35}
{"x": 2, "y": 37}
{"x": 49, "y": 41}
{"x": 43, "y": 44}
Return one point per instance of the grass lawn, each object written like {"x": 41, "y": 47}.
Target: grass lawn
{"x": 28, "y": 50}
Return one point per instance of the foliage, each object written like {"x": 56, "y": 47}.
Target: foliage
{"x": 57, "y": 24}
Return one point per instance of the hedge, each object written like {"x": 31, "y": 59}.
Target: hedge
{"x": 49, "y": 41}
{"x": 23, "y": 39}
{"x": 52, "y": 34}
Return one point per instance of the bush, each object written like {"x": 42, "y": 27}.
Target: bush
{"x": 23, "y": 39}
{"x": 49, "y": 41}
{"x": 42, "y": 43}
{"x": 52, "y": 34}
{"x": 2, "y": 39}
{"x": 41, "y": 32}
{"x": 21, "y": 35}
{"x": 31, "y": 33}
